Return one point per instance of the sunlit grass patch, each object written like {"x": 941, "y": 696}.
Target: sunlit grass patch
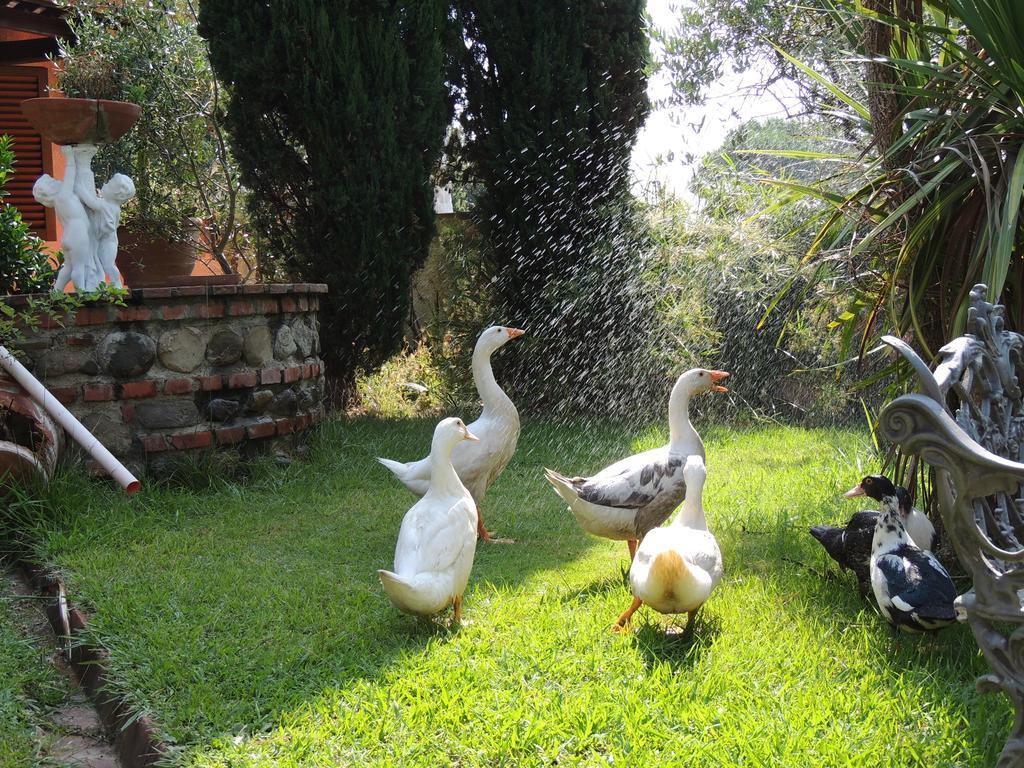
{"x": 249, "y": 621}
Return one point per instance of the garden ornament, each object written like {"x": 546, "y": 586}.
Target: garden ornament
{"x": 89, "y": 219}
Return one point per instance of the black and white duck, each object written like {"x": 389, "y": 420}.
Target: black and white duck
{"x": 912, "y": 589}
{"x": 850, "y": 546}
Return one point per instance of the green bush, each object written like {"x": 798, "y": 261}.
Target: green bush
{"x": 337, "y": 114}
{"x": 715, "y": 279}
{"x": 24, "y": 262}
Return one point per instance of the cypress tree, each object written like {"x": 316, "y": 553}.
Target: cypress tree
{"x": 337, "y": 114}
{"x": 554, "y": 97}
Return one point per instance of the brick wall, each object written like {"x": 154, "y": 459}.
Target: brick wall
{"x": 183, "y": 368}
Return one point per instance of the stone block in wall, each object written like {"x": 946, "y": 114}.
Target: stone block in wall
{"x": 167, "y": 414}
{"x": 259, "y": 345}
{"x": 126, "y": 354}
{"x": 62, "y": 361}
{"x": 285, "y": 403}
{"x": 182, "y": 349}
{"x": 261, "y": 399}
{"x": 106, "y": 422}
{"x": 303, "y": 335}
{"x": 222, "y": 409}
{"x": 224, "y": 348}
{"x": 284, "y": 343}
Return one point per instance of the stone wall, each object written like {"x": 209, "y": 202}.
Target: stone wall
{"x": 183, "y": 368}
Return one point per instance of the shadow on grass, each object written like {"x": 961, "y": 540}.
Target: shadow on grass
{"x": 663, "y": 639}
{"x": 230, "y": 604}
{"x": 598, "y": 587}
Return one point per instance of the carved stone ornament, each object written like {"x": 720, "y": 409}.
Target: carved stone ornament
{"x": 969, "y": 426}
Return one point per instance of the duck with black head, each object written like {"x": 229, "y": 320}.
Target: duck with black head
{"x": 850, "y": 546}
{"x": 912, "y": 589}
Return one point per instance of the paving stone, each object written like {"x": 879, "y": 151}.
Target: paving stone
{"x": 182, "y": 349}
{"x": 82, "y": 752}
{"x": 80, "y": 719}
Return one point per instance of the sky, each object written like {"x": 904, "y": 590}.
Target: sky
{"x": 674, "y": 133}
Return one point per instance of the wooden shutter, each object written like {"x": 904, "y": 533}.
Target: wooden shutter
{"x": 32, "y": 153}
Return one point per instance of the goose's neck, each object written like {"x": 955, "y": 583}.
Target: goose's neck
{"x": 691, "y": 515}
{"x": 444, "y": 481}
{"x": 681, "y": 433}
{"x": 493, "y": 396}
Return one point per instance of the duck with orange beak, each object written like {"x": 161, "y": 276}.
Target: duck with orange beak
{"x": 632, "y": 496}
{"x": 478, "y": 464}
{"x": 437, "y": 541}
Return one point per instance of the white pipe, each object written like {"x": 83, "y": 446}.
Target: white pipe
{"x": 74, "y": 427}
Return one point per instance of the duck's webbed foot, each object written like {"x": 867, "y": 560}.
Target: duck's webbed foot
{"x": 624, "y": 624}
{"x": 486, "y": 535}
{"x": 691, "y": 622}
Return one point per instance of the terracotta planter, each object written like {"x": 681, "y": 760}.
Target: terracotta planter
{"x": 80, "y": 121}
{"x": 146, "y": 261}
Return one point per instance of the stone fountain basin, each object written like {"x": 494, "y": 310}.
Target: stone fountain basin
{"x": 80, "y": 121}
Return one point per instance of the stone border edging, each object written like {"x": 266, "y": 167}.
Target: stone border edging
{"x": 136, "y": 739}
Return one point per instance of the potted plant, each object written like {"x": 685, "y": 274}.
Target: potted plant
{"x": 188, "y": 198}
{"x": 99, "y": 116}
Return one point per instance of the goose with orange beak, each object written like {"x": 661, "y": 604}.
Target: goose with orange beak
{"x": 632, "y": 496}
{"x": 478, "y": 464}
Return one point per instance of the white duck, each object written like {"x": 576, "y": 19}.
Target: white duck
{"x": 477, "y": 464}
{"x": 633, "y": 496}
{"x": 677, "y": 567}
{"x": 437, "y": 541}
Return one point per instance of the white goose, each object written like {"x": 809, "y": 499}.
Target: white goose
{"x": 677, "y": 567}
{"x": 633, "y": 496}
{"x": 437, "y": 541}
{"x": 477, "y": 464}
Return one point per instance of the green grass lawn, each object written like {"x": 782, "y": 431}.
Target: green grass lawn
{"x": 248, "y": 620}
{"x": 27, "y": 683}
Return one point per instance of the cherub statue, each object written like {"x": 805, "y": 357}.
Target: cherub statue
{"x": 76, "y": 241}
{"x": 104, "y": 209}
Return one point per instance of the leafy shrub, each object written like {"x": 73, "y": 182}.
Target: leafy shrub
{"x": 24, "y": 262}
{"x": 407, "y": 385}
{"x": 715, "y": 279}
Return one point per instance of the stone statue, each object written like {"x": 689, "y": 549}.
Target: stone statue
{"x": 89, "y": 219}
{"x": 104, "y": 210}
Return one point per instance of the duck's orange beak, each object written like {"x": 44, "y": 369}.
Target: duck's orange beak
{"x": 857, "y": 490}
{"x": 470, "y": 436}
{"x": 515, "y": 333}
{"x": 717, "y": 376}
